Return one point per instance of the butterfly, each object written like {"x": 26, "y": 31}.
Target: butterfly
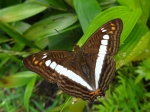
{"x": 85, "y": 72}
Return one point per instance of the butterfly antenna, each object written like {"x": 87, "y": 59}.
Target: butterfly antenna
{"x": 65, "y": 104}
{"x": 57, "y": 31}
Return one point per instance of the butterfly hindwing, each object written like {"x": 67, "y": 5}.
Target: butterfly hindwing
{"x": 73, "y": 88}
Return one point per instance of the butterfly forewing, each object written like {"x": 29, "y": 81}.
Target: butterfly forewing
{"x": 100, "y": 47}
{"x": 62, "y": 68}
{"x": 86, "y": 72}
{"x": 44, "y": 63}
{"x": 107, "y": 35}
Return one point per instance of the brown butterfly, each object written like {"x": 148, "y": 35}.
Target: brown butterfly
{"x": 85, "y": 72}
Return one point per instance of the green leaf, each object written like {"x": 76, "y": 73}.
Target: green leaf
{"x": 124, "y": 97}
{"x": 144, "y": 5}
{"x": 144, "y": 50}
{"x": 57, "y": 4}
{"x": 132, "y": 45}
{"x": 69, "y": 107}
{"x": 17, "y": 80}
{"x": 143, "y": 71}
{"x": 77, "y": 107}
{"x": 28, "y": 92}
{"x": 21, "y": 26}
{"x": 21, "y": 11}
{"x": 16, "y": 35}
{"x": 128, "y": 16}
{"x": 48, "y": 26}
{"x": 60, "y": 41}
{"x": 86, "y": 11}
{"x": 69, "y": 2}
{"x": 145, "y": 53}
{"x": 128, "y": 3}
{"x": 4, "y": 39}
{"x": 4, "y": 58}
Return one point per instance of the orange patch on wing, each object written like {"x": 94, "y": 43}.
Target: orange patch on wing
{"x": 92, "y": 92}
{"x": 33, "y": 59}
{"x": 36, "y": 62}
{"x": 95, "y": 93}
{"x": 41, "y": 63}
{"x": 111, "y": 32}
{"x": 113, "y": 28}
{"x": 112, "y": 24}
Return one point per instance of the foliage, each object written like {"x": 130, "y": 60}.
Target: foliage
{"x": 126, "y": 96}
{"x": 30, "y": 26}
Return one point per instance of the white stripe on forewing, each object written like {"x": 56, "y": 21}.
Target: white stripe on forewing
{"x": 98, "y": 68}
{"x": 104, "y": 42}
{"x": 44, "y": 56}
{"x": 53, "y": 65}
{"x": 100, "y": 62}
{"x": 48, "y": 62}
{"x": 71, "y": 75}
{"x": 103, "y": 30}
{"x": 68, "y": 73}
{"x": 106, "y": 37}
{"x": 103, "y": 49}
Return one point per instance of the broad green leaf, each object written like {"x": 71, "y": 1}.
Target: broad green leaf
{"x": 21, "y": 11}
{"x": 142, "y": 4}
{"x": 16, "y": 35}
{"x": 77, "y": 107}
{"x": 128, "y": 3}
{"x": 69, "y": 107}
{"x": 39, "y": 32}
{"x": 17, "y": 80}
{"x": 60, "y": 41}
{"x": 18, "y": 47}
{"x": 86, "y": 11}
{"x": 21, "y": 26}
{"x": 105, "y": 4}
{"x": 144, "y": 51}
{"x": 48, "y": 26}
{"x": 132, "y": 45}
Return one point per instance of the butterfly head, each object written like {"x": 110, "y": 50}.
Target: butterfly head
{"x": 76, "y": 48}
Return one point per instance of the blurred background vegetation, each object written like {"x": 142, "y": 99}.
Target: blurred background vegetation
{"x": 29, "y": 26}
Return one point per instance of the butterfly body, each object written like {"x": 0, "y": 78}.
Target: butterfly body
{"x": 80, "y": 58}
{"x": 85, "y": 72}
